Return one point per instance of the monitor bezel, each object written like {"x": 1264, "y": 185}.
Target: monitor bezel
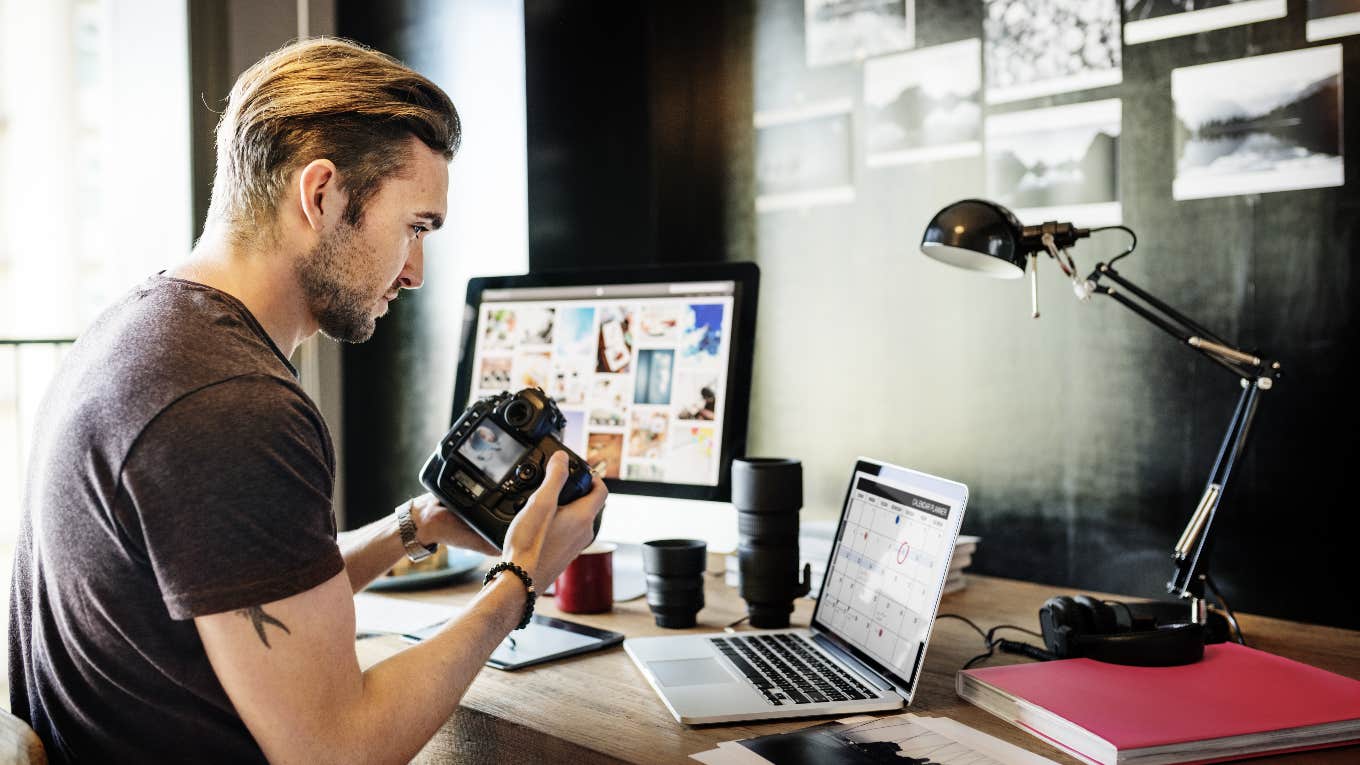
{"x": 746, "y": 279}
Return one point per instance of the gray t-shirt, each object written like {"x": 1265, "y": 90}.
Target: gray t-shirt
{"x": 178, "y": 470}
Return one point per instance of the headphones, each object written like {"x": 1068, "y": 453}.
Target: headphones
{"x": 1143, "y": 634}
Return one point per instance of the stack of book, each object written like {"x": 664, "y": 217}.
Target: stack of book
{"x": 963, "y": 558}
{"x": 816, "y": 538}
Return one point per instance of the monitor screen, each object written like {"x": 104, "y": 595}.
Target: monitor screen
{"x": 650, "y": 367}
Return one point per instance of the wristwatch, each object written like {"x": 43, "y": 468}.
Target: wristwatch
{"x": 416, "y": 551}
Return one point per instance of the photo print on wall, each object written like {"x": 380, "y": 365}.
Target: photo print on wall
{"x": 1041, "y": 47}
{"x": 1147, "y": 20}
{"x": 1259, "y": 124}
{"x": 837, "y": 31}
{"x": 1059, "y": 163}
{"x": 804, "y": 157}
{"x": 1328, "y": 19}
{"x": 924, "y": 105}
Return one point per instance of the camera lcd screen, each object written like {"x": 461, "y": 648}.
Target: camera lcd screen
{"x": 492, "y": 450}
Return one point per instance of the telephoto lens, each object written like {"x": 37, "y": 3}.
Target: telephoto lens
{"x": 675, "y": 580}
{"x": 768, "y": 493}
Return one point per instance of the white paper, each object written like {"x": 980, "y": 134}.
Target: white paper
{"x": 991, "y": 746}
{"x": 730, "y": 753}
{"x": 379, "y": 613}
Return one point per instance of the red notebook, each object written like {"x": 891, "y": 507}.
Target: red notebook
{"x": 1237, "y": 702}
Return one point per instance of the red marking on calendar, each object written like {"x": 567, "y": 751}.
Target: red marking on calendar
{"x": 880, "y": 632}
{"x": 902, "y": 552}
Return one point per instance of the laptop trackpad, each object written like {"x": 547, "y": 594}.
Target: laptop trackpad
{"x": 689, "y": 672}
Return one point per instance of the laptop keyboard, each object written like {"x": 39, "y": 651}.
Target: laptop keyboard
{"x": 787, "y": 669}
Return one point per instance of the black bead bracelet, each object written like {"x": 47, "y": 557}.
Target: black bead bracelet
{"x": 528, "y": 587}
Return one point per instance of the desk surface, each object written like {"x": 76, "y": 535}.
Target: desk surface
{"x": 598, "y": 707}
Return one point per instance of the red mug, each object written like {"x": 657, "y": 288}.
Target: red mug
{"x": 586, "y": 586}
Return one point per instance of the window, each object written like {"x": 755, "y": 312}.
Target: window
{"x": 94, "y": 184}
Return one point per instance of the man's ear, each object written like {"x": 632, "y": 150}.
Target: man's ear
{"x": 320, "y": 195}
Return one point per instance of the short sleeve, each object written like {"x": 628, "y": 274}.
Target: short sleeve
{"x": 231, "y": 486}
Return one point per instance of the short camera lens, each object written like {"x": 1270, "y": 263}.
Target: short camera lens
{"x": 518, "y": 414}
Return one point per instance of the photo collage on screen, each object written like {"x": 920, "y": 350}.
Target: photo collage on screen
{"x": 641, "y": 381}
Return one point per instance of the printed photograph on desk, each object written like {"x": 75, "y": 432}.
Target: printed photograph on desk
{"x": 652, "y": 384}
{"x": 647, "y": 433}
{"x": 575, "y": 335}
{"x": 1060, "y": 163}
{"x": 924, "y": 105}
{"x": 1147, "y": 20}
{"x": 531, "y": 369}
{"x": 604, "y": 453}
{"x": 498, "y": 329}
{"x": 1328, "y": 19}
{"x": 805, "y": 157}
{"x": 615, "y": 340}
{"x": 899, "y": 738}
{"x": 1042, "y": 47}
{"x": 1259, "y": 124}
{"x": 696, "y": 395}
{"x": 535, "y": 326}
{"x": 837, "y": 31}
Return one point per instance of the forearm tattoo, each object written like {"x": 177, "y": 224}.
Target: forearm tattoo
{"x": 259, "y": 618}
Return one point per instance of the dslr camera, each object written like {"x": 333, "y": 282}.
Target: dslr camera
{"x": 495, "y": 456}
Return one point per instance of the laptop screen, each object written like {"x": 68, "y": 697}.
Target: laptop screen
{"x": 888, "y": 566}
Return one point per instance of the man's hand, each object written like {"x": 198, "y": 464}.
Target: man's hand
{"x": 544, "y": 538}
{"x": 437, "y": 523}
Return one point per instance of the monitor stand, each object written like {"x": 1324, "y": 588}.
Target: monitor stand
{"x": 637, "y": 518}
{"x": 631, "y": 519}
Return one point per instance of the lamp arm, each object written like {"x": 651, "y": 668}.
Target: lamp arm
{"x": 1245, "y": 365}
{"x": 1192, "y": 551}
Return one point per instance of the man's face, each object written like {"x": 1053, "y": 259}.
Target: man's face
{"x": 354, "y": 272}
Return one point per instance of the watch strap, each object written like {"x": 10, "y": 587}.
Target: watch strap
{"x": 406, "y": 526}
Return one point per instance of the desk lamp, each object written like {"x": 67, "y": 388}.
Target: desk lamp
{"x": 982, "y": 236}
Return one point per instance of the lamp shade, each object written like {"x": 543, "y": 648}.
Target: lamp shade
{"x": 977, "y": 235}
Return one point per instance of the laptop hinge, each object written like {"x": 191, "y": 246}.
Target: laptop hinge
{"x": 828, "y": 645}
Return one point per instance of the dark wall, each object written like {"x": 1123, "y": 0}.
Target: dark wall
{"x": 632, "y": 108}
{"x": 1086, "y": 436}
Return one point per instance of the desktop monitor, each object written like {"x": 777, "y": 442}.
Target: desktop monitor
{"x": 652, "y": 368}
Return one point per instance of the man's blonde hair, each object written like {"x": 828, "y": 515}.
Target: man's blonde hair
{"x": 322, "y": 98}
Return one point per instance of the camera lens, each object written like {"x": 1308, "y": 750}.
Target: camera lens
{"x": 768, "y": 494}
{"x": 518, "y": 413}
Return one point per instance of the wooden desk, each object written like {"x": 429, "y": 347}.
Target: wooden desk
{"x": 598, "y": 708}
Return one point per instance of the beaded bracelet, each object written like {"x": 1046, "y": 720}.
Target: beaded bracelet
{"x": 528, "y": 587}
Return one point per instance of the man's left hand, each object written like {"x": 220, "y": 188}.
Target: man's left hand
{"x": 436, "y": 523}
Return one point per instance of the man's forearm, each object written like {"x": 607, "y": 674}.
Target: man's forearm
{"x": 408, "y": 697}
{"x": 371, "y": 550}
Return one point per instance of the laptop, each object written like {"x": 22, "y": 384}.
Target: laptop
{"x": 869, "y": 631}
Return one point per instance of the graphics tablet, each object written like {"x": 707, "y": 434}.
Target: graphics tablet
{"x": 543, "y": 640}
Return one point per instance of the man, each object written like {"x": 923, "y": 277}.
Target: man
{"x": 179, "y": 593}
